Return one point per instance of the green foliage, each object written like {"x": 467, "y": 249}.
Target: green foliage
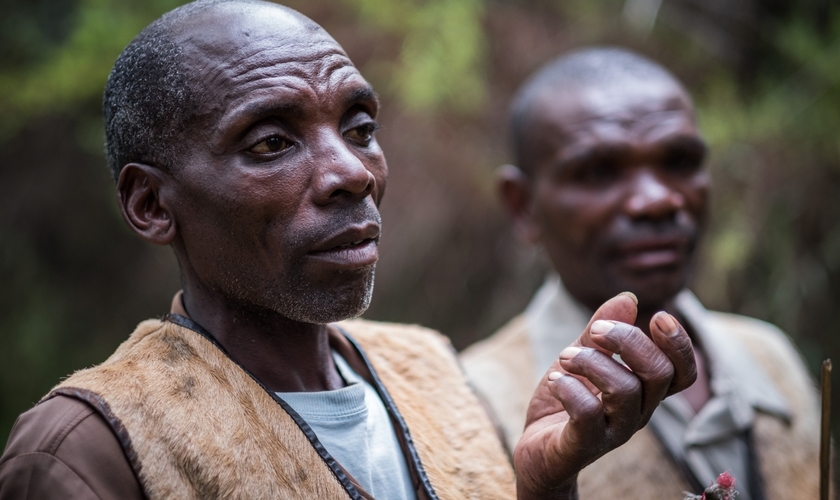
{"x": 76, "y": 70}
{"x": 441, "y": 61}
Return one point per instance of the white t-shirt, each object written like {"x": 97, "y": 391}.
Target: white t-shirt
{"x": 353, "y": 425}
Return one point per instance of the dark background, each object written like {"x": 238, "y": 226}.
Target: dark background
{"x": 74, "y": 281}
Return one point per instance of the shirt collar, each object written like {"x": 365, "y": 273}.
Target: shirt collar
{"x": 177, "y": 306}
{"x": 733, "y": 371}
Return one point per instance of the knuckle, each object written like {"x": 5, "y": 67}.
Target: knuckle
{"x": 636, "y": 340}
{"x": 665, "y": 372}
{"x": 628, "y": 386}
{"x": 686, "y": 350}
{"x": 590, "y": 409}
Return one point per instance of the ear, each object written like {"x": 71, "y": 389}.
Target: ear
{"x": 143, "y": 208}
{"x": 514, "y": 187}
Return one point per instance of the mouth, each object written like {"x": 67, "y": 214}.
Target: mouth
{"x": 354, "y": 248}
{"x": 653, "y": 254}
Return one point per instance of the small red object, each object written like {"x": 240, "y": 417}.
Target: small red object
{"x": 722, "y": 489}
{"x": 726, "y": 481}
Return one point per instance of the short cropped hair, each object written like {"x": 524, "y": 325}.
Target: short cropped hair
{"x": 593, "y": 66}
{"x": 150, "y": 99}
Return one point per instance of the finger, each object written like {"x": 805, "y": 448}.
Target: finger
{"x": 621, "y": 308}
{"x": 672, "y": 339}
{"x": 654, "y": 368}
{"x": 621, "y": 389}
{"x": 586, "y": 425}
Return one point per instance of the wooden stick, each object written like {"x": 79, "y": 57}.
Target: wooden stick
{"x": 825, "y": 430}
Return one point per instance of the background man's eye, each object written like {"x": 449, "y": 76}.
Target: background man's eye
{"x": 683, "y": 164}
{"x": 271, "y": 145}
{"x": 597, "y": 173}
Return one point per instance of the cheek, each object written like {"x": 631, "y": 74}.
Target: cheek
{"x": 573, "y": 220}
{"x": 696, "y": 193}
{"x": 376, "y": 165}
{"x": 237, "y": 213}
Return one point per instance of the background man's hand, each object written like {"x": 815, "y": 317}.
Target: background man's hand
{"x": 588, "y": 403}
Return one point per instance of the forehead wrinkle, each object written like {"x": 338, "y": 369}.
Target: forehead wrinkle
{"x": 263, "y": 59}
{"x": 239, "y": 67}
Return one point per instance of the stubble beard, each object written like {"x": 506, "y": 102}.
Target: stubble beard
{"x": 296, "y": 294}
{"x": 314, "y": 305}
{"x": 296, "y": 297}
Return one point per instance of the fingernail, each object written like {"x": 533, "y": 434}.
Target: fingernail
{"x": 569, "y": 352}
{"x": 601, "y": 327}
{"x": 631, "y": 295}
{"x": 554, "y": 376}
{"x": 666, "y": 323}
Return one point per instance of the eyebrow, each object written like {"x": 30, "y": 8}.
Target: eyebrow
{"x": 260, "y": 110}
{"x": 361, "y": 95}
{"x": 583, "y": 154}
{"x": 684, "y": 142}
{"x": 676, "y": 142}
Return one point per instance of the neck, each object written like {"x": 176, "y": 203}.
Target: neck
{"x": 644, "y": 315}
{"x": 285, "y": 355}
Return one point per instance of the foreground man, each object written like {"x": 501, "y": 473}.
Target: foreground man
{"x": 610, "y": 182}
{"x": 240, "y": 134}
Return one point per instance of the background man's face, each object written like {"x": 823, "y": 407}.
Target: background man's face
{"x": 276, "y": 202}
{"x": 619, "y": 190}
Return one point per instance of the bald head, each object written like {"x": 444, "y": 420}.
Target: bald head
{"x": 154, "y": 92}
{"x": 603, "y": 70}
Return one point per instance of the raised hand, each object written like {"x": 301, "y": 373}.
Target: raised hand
{"x": 588, "y": 403}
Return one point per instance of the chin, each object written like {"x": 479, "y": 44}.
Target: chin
{"x": 654, "y": 290}
{"x": 321, "y": 305}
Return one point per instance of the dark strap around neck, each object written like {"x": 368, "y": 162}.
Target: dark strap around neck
{"x": 349, "y": 484}
{"x": 344, "y": 344}
{"x": 349, "y": 349}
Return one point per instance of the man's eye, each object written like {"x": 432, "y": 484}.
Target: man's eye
{"x": 363, "y": 134}
{"x": 683, "y": 164}
{"x": 596, "y": 173}
{"x": 273, "y": 144}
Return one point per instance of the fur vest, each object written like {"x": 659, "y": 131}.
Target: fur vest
{"x": 195, "y": 424}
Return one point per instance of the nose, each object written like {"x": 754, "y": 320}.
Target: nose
{"x": 651, "y": 198}
{"x": 341, "y": 173}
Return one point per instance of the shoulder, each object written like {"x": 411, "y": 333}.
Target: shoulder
{"x": 62, "y": 448}
{"x": 774, "y": 351}
{"x": 767, "y": 343}
{"x": 753, "y": 330}
{"x": 501, "y": 370}
{"x": 503, "y": 359}
{"x": 512, "y": 336}
{"x": 397, "y": 338}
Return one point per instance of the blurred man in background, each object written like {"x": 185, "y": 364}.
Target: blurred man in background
{"x": 610, "y": 182}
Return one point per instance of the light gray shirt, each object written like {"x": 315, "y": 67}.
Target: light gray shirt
{"x": 353, "y": 425}
{"x": 708, "y": 442}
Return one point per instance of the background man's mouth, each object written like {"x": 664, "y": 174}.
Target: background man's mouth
{"x": 652, "y": 258}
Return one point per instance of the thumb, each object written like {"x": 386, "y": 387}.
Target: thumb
{"x": 622, "y": 308}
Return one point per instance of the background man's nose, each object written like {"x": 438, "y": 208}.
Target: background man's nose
{"x": 652, "y": 198}
{"x": 341, "y": 174}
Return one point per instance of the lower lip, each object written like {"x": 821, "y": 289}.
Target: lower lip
{"x": 350, "y": 258}
{"x": 652, "y": 259}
